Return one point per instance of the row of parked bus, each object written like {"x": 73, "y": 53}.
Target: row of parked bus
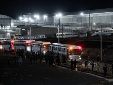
{"x": 58, "y": 49}
{"x": 62, "y": 50}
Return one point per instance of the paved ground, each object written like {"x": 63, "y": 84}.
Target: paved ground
{"x": 41, "y": 74}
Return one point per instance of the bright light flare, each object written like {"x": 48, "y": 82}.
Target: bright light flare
{"x": 1, "y": 47}
{"x": 81, "y": 14}
{"x": 31, "y": 20}
{"x": 37, "y": 16}
{"x": 59, "y": 15}
{"x": 71, "y": 48}
{"x": 45, "y": 17}
{"x": 79, "y": 47}
{"x": 20, "y": 18}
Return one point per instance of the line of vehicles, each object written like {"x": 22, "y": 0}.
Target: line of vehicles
{"x": 62, "y": 50}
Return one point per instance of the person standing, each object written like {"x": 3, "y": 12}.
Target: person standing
{"x": 73, "y": 62}
{"x": 92, "y": 65}
{"x": 105, "y": 69}
{"x": 112, "y": 69}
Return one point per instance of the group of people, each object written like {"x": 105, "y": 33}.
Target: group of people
{"x": 51, "y": 59}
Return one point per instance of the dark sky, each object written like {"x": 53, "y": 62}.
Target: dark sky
{"x": 15, "y": 8}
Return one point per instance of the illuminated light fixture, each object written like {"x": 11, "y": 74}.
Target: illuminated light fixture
{"x": 23, "y": 29}
{"x": 29, "y": 48}
{"x": 12, "y": 24}
{"x": 94, "y": 23}
{"x": 44, "y": 46}
{"x": 79, "y": 47}
{"x": 81, "y": 14}
{"x": 70, "y": 48}
{"x": 31, "y": 20}
{"x": 25, "y": 19}
{"x": 45, "y": 17}
{"x": 20, "y": 18}
{"x": 37, "y": 16}
{"x": 44, "y": 52}
{"x": 59, "y": 15}
{"x": 1, "y": 47}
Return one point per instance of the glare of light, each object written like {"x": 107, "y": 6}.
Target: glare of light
{"x": 23, "y": 29}
{"x": 44, "y": 52}
{"x": 45, "y": 17}
{"x": 12, "y": 24}
{"x": 31, "y": 20}
{"x": 7, "y": 27}
{"x": 59, "y": 15}
{"x": 94, "y": 23}
{"x": 8, "y": 34}
{"x": 29, "y": 48}
{"x": 79, "y": 47}
{"x": 25, "y": 19}
{"x": 80, "y": 58}
{"x": 44, "y": 46}
{"x": 70, "y": 48}
{"x": 1, "y": 47}
{"x": 37, "y": 16}
{"x": 81, "y": 14}
{"x": 20, "y": 18}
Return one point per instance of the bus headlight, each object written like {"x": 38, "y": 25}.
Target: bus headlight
{"x": 44, "y": 52}
{"x": 80, "y": 58}
{"x": 1, "y": 47}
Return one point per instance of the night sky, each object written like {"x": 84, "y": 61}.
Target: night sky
{"x": 14, "y": 8}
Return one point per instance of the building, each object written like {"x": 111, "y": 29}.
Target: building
{"x": 86, "y": 21}
{"x": 7, "y": 27}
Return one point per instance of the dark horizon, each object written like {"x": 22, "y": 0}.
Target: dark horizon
{"x": 14, "y": 8}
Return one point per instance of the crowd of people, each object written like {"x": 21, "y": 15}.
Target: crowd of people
{"x": 25, "y": 57}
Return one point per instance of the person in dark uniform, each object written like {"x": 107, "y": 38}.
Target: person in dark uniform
{"x": 75, "y": 63}
{"x": 112, "y": 69}
{"x": 92, "y": 65}
{"x": 105, "y": 69}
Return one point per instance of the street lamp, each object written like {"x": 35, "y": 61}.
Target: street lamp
{"x": 90, "y": 22}
{"x": 101, "y": 45}
{"x": 59, "y": 16}
{"x": 37, "y": 17}
{"x": 20, "y": 18}
{"x": 45, "y": 17}
{"x": 81, "y": 14}
{"x": 94, "y": 25}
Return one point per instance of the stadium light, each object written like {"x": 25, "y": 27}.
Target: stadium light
{"x": 94, "y": 24}
{"x": 31, "y": 20}
{"x": 25, "y": 19}
{"x": 20, "y": 18}
{"x": 45, "y": 17}
{"x": 37, "y": 16}
{"x": 82, "y": 14}
{"x": 59, "y": 15}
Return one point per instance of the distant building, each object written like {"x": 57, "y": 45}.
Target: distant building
{"x": 37, "y": 31}
{"x": 5, "y": 20}
{"x": 89, "y": 20}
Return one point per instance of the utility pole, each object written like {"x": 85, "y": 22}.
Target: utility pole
{"x": 62, "y": 30}
{"x": 101, "y": 45}
{"x": 89, "y": 21}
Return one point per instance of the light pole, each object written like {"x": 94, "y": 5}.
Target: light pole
{"x": 59, "y": 16}
{"x": 81, "y": 14}
{"x": 37, "y": 17}
{"x": 30, "y": 20}
{"x": 45, "y": 17}
{"x": 94, "y": 25}
{"x": 101, "y": 45}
